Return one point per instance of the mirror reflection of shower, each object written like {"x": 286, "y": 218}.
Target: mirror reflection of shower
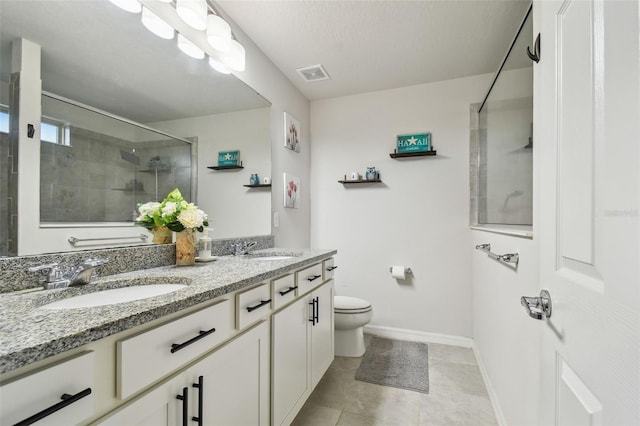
{"x": 133, "y": 185}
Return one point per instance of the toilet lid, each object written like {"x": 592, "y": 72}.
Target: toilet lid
{"x": 350, "y": 304}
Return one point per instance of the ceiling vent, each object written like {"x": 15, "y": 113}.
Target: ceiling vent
{"x": 313, "y": 73}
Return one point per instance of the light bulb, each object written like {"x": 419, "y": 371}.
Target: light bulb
{"x": 218, "y": 33}
{"x": 234, "y": 58}
{"x": 156, "y": 25}
{"x": 189, "y": 48}
{"x": 219, "y": 66}
{"x": 193, "y": 12}
{"x": 132, "y": 6}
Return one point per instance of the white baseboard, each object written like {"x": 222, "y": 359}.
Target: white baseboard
{"x": 497, "y": 410}
{"x": 418, "y": 336}
{"x": 444, "y": 339}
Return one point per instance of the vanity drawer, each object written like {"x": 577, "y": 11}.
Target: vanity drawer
{"x": 252, "y": 305}
{"x": 43, "y": 389}
{"x": 309, "y": 278}
{"x": 144, "y": 358}
{"x": 328, "y": 266}
{"x": 284, "y": 290}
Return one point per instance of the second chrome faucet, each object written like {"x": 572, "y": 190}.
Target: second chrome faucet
{"x": 78, "y": 275}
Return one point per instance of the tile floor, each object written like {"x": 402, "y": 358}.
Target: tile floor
{"x": 457, "y": 396}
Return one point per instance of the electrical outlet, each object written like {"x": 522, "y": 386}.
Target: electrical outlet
{"x": 276, "y": 219}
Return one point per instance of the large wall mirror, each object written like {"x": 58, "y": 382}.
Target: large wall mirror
{"x": 97, "y": 55}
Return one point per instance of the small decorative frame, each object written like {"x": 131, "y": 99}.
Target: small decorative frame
{"x": 291, "y": 191}
{"x": 291, "y": 132}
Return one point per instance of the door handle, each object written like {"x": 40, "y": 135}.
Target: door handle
{"x": 537, "y": 307}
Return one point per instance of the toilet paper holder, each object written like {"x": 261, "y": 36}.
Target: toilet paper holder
{"x": 406, "y": 270}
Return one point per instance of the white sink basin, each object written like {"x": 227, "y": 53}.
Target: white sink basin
{"x": 272, "y": 257}
{"x": 116, "y": 295}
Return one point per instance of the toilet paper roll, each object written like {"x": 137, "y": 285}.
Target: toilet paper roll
{"x": 397, "y": 272}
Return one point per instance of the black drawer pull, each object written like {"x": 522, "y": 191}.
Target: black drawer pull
{"x": 282, "y": 293}
{"x": 200, "y": 387}
{"x": 259, "y": 305}
{"x": 185, "y": 405}
{"x": 313, "y": 277}
{"x": 66, "y": 400}
{"x": 331, "y": 268}
{"x": 177, "y": 346}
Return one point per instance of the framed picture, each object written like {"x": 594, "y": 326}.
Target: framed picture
{"x": 291, "y": 132}
{"x": 291, "y": 191}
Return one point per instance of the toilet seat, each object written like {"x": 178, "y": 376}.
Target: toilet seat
{"x": 350, "y": 305}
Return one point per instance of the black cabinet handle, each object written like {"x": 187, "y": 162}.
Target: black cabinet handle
{"x": 282, "y": 293}
{"x": 66, "y": 400}
{"x": 331, "y": 268}
{"x": 316, "y": 310}
{"x": 200, "y": 387}
{"x": 259, "y": 305}
{"x": 313, "y": 277}
{"x": 177, "y": 346}
{"x": 185, "y": 405}
{"x": 312, "y": 320}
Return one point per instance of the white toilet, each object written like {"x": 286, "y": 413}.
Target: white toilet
{"x": 351, "y": 314}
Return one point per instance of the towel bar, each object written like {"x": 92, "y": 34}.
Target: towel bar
{"x": 74, "y": 240}
{"x": 505, "y": 258}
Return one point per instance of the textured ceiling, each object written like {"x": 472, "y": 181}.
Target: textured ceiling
{"x": 375, "y": 45}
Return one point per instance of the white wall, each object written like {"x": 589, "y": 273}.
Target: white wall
{"x": 263, "y": 76}
{"x": 506, "y": 338}
{"x": 233, "y": 209}
{"x": 418, "y": 217}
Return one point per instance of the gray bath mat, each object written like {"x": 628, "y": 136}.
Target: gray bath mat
{"x": 395, "y": 363}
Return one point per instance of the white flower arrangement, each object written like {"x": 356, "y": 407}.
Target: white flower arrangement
{"x": 173, "y": 212}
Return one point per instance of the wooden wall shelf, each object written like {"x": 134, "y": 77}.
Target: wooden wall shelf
{"x": 412, "y": 154}
{"x": 345, "y": 182}
{"x": 224, "y": 167}
{"x": 260, "y": 185}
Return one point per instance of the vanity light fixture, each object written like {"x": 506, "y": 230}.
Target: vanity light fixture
{"x": 219, "y": 66}
{"x": 218, "y": 33}
{"x": 156, "y": 25}
{"x": 132, "y": 6}
{"x": 189, "y": 48}
{"x": 193, "y": 12}
{"x": 234, "y": 58}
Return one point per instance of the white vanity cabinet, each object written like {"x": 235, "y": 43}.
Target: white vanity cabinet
{"x": 302, "y": 348}
{"x": 228, "y": 387}
{"x": 57, "y": 395}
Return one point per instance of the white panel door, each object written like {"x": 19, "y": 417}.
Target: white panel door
{"x": 588, "y": 156}
{"x": 322, "y": 331}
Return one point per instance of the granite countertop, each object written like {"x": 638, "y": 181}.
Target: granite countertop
{"x": 29, "y": 333}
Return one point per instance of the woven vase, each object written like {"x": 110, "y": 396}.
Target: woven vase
{"x": 186, "y": 247}
{"x": 162, "y": 235}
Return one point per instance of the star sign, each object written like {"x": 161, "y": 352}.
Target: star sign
{"x": 227, "y": 157}
{"x": 412, "y": 140}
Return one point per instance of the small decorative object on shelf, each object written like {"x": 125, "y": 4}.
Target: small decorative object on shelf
{"x": 417, "y": 142}
{"x": 228, "y": 158}
{"x": 254, "y": 179}
{"x": 371, "y": 173}
{"x": 179, "y": 216}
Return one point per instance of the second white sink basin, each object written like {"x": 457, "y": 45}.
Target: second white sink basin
{"x": 116, "y": 295}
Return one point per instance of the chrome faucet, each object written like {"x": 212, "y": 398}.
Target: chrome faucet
{"x": 78, "y": 275}
{"x": 239, "y": 248}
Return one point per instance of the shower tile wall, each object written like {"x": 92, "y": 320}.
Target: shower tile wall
{"x": 4, "y": 193}
{"x": 90, "y": 181}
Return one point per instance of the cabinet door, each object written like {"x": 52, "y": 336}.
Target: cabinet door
{"x": 159, "y": 407}
{"x": 289, "y": 379}
{"x": 322, "y": 332}
{"x": 233, "y": 382}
